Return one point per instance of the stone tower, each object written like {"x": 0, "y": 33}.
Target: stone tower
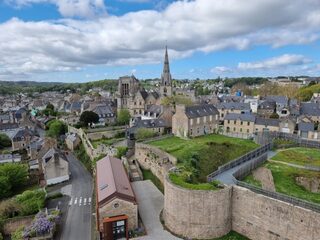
{"x": 166, "y": 81}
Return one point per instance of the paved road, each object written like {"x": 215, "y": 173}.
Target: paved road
{"x": 78, "y": 220}
{"x": 151, "y": 201}
{"x": 227, "y": 176}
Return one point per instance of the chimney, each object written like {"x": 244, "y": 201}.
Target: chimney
{"x": 56, "y": 158}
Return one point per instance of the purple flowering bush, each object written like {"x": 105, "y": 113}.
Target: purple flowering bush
{"x": 42, "y": 224}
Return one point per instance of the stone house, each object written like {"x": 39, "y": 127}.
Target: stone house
{"x": 267, "y": 125}
{"x": 225, "y": 108}
{"x": 157, "y": 126}
{"x": 116, "y": 206}
{"x": 105, "y": 113}
{"x": 311, "y": 110}
{"x": 55, "y": 167}
{"x": 287, "y": 125}
{"x": 266, "y": 108}
{"x": 21, "y": 139}
{"x": 72, "y": 141}
{"x": 308, "y": 130}
{"x": 239, "y": 123}
{"x": 193, "y": 121}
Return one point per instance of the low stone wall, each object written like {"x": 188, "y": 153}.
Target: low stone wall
{"x": 12, "y": 224}
{"x": 104, "y": 134}
{"x": 197, "y": 214}
{"x": 263, "y": 218}
{"x": 157, "y": 161}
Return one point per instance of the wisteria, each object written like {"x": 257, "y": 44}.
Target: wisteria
{"x": 42, "y": 224}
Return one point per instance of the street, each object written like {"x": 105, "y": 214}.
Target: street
{"x": 77, "y": 223}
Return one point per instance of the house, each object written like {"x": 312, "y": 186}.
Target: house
{"x": 239, "y": 123}
{"x": 287, "y": 125}
{"x": 266, "y": 108}
{"x": 195, "y": 120}
{"x": 105, "y": 113}
{"x": 72, "y": 141}
{"x": 308, "y": 130}
{"x": 55, "y": 167}
{"x": 22, "y": 138}
{"x": 10, "y": 158}
{"x": 157, "y": 126}
{"x": 267, "y": 125}
{"x": 116, "y": 205}
{"x": 311, "y": 110}
{"x": 233, "y": 107}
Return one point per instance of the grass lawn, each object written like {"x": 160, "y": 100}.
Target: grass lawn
{"x": 148, "y": 175}
{"x": 251, "y": 180}
{"x": 107, "y": 142}
{"x": 232, "y": 236}
{"x": 210, "y": 151}
{"x": 284, "y": 179}
{"x": 299, "y": 155}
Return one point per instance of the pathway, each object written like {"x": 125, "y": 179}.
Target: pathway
{"x": 227, "y": 176}
{"x": 151, "y": 201}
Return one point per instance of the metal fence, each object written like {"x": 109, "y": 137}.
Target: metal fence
{"x": 238, "y": 135}
{"x": 245, "y": 158}
{"x": 281, "y": 197}
{"x": 267, "y": 137}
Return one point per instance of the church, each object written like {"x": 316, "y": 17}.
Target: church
{"x": 132, "y": 96}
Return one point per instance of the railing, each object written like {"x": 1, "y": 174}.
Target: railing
{"x": 245, "y": 158}
{"x": 280, "y": 196}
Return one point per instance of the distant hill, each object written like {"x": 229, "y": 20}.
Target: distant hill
{"x": 7, "y": 87}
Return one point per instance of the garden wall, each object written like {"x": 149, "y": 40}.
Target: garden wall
{"x": 197, "y": 213}
{"x": 12, "y": 224}
{"x": 263, "y": 218}
{"x": 154, "y": 159}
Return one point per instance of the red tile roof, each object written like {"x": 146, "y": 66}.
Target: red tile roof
{"x": 112, "y": 181}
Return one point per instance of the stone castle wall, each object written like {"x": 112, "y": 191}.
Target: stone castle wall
{"x": 154, "y": 159}
{"x": 197, "y": 214}
{"x": 262, "y": 218}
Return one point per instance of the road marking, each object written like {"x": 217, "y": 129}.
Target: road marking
{"x": 80, "y": 201}
{"x": 75, "y": 201}
{"x": 89, "y": 200}
{"x": 70, "y": 203}
{"x": 85, "y": 201}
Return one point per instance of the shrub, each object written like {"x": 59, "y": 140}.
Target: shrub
{"x": 31, "y": 201}
{"x": 143, "y": 133}
{"x": 121, "y": 151}
{"x": 4, "y": 141}
{"x": 1, "y": 237}
{"x": 9, "y": 208}
{"x": 18, "y": 234}
{"x": 123, "y": 117}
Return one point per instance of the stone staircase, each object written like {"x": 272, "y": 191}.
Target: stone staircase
{"x": 135, "y": 173}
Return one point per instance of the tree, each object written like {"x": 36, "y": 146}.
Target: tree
{"x": 56, "y": 128}
{"x": 49, "y": 110}
{"x": 89, "y": 117}
{"x": 123, "y": 117}
{"x": 5, "y": 187}
{"x": 5, "y": 141}
{"x": 16, "y": 173}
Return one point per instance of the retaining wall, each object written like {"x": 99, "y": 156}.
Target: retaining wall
{"x": 197, "y": 214}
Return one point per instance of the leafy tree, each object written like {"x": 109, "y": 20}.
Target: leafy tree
{"x": 89, "y": 117}
{"x": 5, "y": 141}
{"x": 49, "y": 110}
{"x": 56, "y": 128}
{"x": 31, "y": 201}
{"x": 5, "y": 187}
{"x": 17, "y": 174}
{"x": 123, "y": 117}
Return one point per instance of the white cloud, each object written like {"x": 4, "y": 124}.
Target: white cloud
{"x": 221, "y": 69}
{"x": 69, "y": 8}
{"x": 276, "y": 62}
{"x": 139, "y": 37}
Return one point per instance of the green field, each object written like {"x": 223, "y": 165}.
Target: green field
{"x": 284, "y": 176}
{"x": 201, "y": 156}
{"x": 299, "y": 156}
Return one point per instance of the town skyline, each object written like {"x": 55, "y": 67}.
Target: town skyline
{"x": 89, "y": 40}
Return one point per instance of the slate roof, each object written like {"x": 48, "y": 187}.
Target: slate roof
{"x": 144, "y": 94}
{"x": 104, "y": 110}
{"x": 154, "y": 109}
{"x": 112, "y": 181}
{"x": 8, "y": 126}
{"x": 200, "y": 110}
{"x": 311, "y": 109}
{"x": 234, "y": 105}
{"x": 306, "y": 126}
{"x": 22, "y": 133}
{"x": 4, "y": 117}
{"x": 151, "y": 123}
{"x": 268, "y": 104}
{"x": 267, "y": 121}
{"x": 242, "y": 117}
{"x": 283, "y": 100}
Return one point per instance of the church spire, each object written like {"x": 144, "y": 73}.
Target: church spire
{"x": 166, "y": 76}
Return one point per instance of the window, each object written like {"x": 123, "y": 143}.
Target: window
{"x": 248, "y": 123}
{"x": 228, "y": 121}
{"x": 216, "y": 117}
{"x": 191, "y": 122}
{"x": 234, "y": 129}
{"x": 247, "y": 130}
{"x": 198, "y": 120}
{"x": 204, "y": 119}
{"x": 198, "y": 130}
{"x": 222, "y": 115}
{"x": 240, "y": 129}
{"x": 190, "y": 131}
{"x": 241, "y": 123}
{"x": 235, "y": 121}
{"x": 210, "y": 118}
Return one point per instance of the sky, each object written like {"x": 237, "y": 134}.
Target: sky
{"x": 86, "y": 40}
